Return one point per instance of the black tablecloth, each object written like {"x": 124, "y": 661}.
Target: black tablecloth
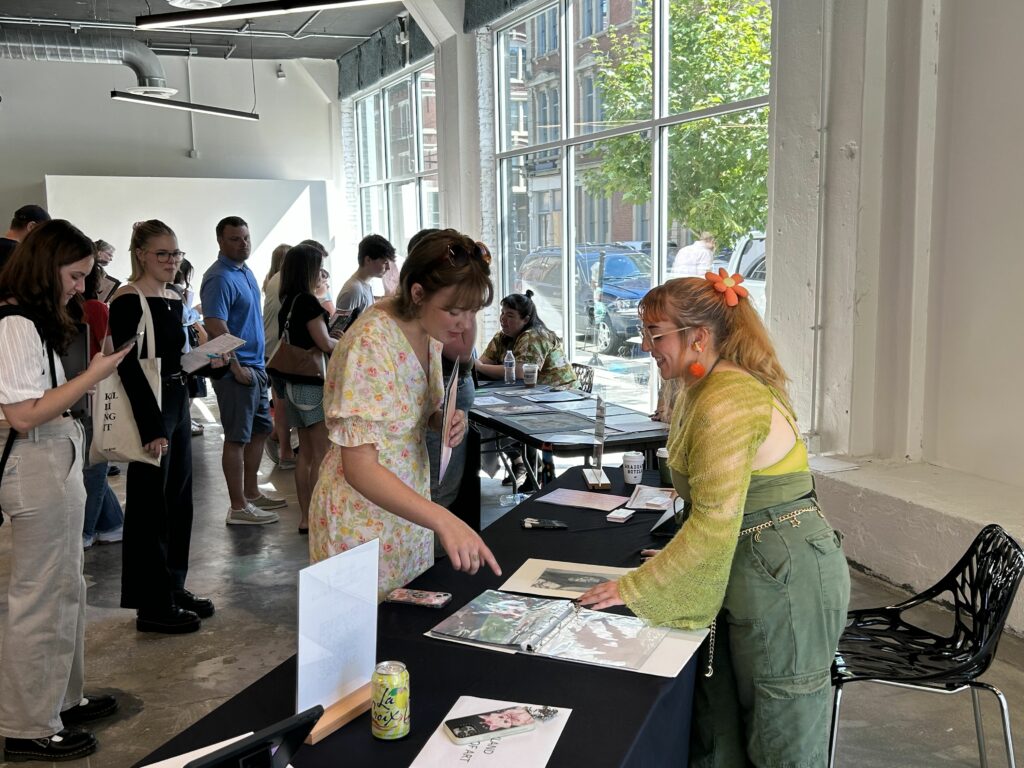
{"x": 619, "y": 718}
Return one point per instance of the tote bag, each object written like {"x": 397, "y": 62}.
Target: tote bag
{"x": 115, "y": 433}
{"x": 289, "y": 360}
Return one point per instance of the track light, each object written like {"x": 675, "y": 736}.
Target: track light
{"x": 244, "y": 12}
{"x": 185, "y": 106}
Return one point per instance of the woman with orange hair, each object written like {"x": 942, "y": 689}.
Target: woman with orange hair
{"x": 755, "y": 558}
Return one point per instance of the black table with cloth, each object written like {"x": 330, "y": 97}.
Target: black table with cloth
{"x": 619, "y": 718}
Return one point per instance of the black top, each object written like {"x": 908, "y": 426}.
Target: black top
{"x": 125, "y": 313}
{"x": 307, "y": 307}
{"x": 7, "y": 247}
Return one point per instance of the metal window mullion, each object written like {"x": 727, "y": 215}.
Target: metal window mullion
{"x": 566, "y": 132}
{"x": 686, "y": 117}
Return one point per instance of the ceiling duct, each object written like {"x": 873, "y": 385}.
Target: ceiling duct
{"x": 197, "y": 5}
{"x": 42, "y": 45}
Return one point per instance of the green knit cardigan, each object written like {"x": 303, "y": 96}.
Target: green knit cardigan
{"x": 717, "y": 426}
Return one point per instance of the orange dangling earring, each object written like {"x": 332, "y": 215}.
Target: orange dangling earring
{"x": 696, "y": 369}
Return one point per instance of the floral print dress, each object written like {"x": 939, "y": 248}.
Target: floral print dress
{"x": 376, "y": 392}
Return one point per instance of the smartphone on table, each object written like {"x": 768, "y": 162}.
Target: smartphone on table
{"x": 488, "y": 725}
{"x": 422, "y": 597}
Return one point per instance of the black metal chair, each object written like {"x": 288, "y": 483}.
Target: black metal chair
{"x": 584, "y": 377}
{"x": 879, "y": 645}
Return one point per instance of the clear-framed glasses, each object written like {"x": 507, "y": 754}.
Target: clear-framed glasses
{"x": 166, "y": 256}
{"x": 646, "y": 335}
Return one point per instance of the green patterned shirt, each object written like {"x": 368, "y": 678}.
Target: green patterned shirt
{"x": 534, "y": 346}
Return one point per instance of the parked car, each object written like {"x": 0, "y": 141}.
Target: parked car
{"x": 605, "y": 308}
{"x": 748, "y": 259}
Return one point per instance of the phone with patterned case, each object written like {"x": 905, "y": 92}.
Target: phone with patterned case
{"x": 419, "y": 597}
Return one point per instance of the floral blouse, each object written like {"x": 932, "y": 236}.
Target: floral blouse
{"x": 376, "y": 392}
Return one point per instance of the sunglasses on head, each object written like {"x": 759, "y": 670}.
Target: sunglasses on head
{"x": 458, "y": 255}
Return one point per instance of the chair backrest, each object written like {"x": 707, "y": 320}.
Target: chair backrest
{"x": 983, "y": 584}
{"x": 584, "y": 377}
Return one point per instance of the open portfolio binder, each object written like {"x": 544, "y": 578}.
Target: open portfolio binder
{"x": 563, "y": 630}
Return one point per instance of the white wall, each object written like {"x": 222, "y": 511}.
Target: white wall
{"x": 976, "y": 412}
{"x": 107, "y": 206}
{"x": 57, "y": 119}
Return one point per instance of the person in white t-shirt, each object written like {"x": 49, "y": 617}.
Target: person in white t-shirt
{"x": 695, "y": 259}
{"x": 42, "y": 663}
{"x": 376, "y": 256}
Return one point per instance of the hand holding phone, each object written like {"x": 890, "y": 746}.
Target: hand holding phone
{"x": 134, "y": 339}
{"x": 419, "y": 597}
{"x": 488, "y": 725}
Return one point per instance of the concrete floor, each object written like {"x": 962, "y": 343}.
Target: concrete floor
{"x": 165, "y": 683}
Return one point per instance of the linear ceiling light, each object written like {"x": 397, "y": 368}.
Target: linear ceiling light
{"x": 244, "y": 12}
{"x": 186, "y": 106}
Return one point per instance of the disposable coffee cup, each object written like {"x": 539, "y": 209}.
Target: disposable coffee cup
{"x": 530, "y": 374}
{"x": 633, "y": 467}
{"x": 663, "y": 470}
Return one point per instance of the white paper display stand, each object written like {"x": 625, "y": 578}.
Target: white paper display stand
{"x": 337, "y": 636}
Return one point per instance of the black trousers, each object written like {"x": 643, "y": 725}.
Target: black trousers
{"x": 158, "y": 513}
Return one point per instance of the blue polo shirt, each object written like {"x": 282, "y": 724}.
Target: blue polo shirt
{"x": 230, "y": 293}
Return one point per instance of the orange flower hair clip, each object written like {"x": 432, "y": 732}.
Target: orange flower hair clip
{"x": 729, "y": 285}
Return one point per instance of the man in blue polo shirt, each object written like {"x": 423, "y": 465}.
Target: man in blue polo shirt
{"x": 231, "y": 304}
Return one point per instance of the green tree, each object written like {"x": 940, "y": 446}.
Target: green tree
{"x": 720, "y": 52}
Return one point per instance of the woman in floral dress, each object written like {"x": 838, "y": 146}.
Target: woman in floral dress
{"x": 383, "y": 391}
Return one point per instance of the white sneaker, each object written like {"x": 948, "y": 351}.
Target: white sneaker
{"x": 250, "y": 515}
{"x": 88, "y": 541}
{"x": 265, "y": 502}
{"x": 110, "y": 537}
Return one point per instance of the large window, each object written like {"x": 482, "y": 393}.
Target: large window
{"x": 396, "y": 142}
{"x": 654, "y": 123}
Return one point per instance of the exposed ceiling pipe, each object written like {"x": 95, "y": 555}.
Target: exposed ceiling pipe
{"x": 75, "y": 24}
{"x": 47, "y": 45}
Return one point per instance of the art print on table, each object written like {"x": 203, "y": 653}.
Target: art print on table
{"x": 568, "y": 581}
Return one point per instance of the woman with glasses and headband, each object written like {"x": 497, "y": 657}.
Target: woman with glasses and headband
{"x": 382, "y": 393}
{"x": 755, "y": 559}
{"x": 158, "y": 506}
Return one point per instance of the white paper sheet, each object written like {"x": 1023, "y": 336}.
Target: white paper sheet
{"x": 195, "y": 359}
{"x": 531, "y": 749}
{"x": 447, "y": 414}
{"x": 603, "y": 502}
{"x": 337, "y": 626}
{"x": 651, "y": 498}
{"x": 483, "y": 402}
{"x": 180, "y": 761}
{"x": 530, "y": 578}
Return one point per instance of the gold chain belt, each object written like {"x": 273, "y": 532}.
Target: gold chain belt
{"x": 790, "y": 517}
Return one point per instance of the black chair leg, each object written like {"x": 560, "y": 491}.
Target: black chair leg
{"x": 834, "y": 734}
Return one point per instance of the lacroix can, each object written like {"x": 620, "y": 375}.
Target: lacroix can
{"x": 389, "y": 713}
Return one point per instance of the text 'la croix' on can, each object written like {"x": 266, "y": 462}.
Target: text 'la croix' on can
{"x": 389, "y": 713}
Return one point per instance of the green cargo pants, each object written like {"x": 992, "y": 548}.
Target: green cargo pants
{"x": 767, "y": 703}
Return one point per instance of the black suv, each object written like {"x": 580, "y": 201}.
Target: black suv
{"x": 605, "y": 308}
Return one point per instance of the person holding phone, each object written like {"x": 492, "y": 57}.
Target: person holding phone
{"x": 306, "y": 321}
{"x": 42, "y": 661}
{"x": 383, "y": 391}
{"x": 158, "y": 504}
{"x": 756, "y": 559}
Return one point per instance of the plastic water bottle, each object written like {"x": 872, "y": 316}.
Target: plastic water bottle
{"x": 512, "y": 499}
{"x": 510, "y": 368}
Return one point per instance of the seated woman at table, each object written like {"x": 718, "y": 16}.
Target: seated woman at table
{"x": 756, "y": 559}
{"x": 530, "y": 340}
{"x": 382, "y": 392}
